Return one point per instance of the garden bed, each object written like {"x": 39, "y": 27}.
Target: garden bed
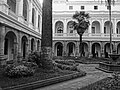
{"x": 40, "y": 75}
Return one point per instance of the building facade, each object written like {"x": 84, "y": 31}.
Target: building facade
{"x": 96, "y": 38}
{"x": 20, "y": 28}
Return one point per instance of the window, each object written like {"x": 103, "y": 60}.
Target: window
{"x": 95, "y": 7}
{"x": 93, "y": 29}
{"x": 105, "y": 30}
{"x": 82, "y": 7}
{"x": 70, "y": 7}
{"x": 25, "y": 6}
{"x": 12, "y": 5}
{"x": 33, "y": 16}
{"x": 117, "y": 30}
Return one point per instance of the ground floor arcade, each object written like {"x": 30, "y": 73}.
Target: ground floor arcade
{"x": 71, "y": 48}
{"x": 15, "y": 43}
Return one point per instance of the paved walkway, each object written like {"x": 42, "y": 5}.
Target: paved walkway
{"x": 92, "y": 76}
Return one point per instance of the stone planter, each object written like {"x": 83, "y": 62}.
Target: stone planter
{"x": 108, "y": 67}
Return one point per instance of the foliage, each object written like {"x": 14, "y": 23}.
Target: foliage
{"x": 82, "y": 21}
{"x": 18, "y": 70}
{"x": 35, "y": 57}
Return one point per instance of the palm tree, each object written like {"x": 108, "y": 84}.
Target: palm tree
{"x": 80, "y": 25}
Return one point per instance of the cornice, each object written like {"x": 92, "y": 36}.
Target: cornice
{"x": 14, "y": 21}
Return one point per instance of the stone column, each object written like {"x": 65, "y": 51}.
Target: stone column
{"x": 65, "y": 48}
{"x": 102, "y": 49}
{"x": 36, "y": 21}
{"x": 90, "y": 49}
{"x": 102, "y": 27}
{"x": 19, "y": 47}
{"x": 65, "y": 27}
{"x": 77, "y": 49}
{"x": 89, "y": 30}
{"x": 30, "y": 14}
{"x": 20, "y": 10}
{"x": 2, "y": 36}
{"x": 114, "y": 27}
{"x": 46, "y": 44}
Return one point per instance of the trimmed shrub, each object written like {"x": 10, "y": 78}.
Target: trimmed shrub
{"x": 18, "y": 71}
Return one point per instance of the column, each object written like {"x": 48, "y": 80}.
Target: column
{"x": 102, "y": 27}
{"x": 77, "y": 48}
{"x": 89, "y": 30}
{"x": 65, "y": 48}
{"x": 102, "y": 49}
{"x": 30, "y": 14}
{"x": 53, "y": 28}
{"x": 19, "y": 47}
{"x": 65, "y": 27}
{"x": 2, "y": 36}
{"x": 36, "y": 21}
{"x": 20, "y": 10}
{"x": 29, "y": 44}
{"x": 114, "y": 27}
{"x": 90, "y": 49}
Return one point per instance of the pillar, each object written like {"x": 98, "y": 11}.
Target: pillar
{"x": 102, "y": 27}
{"x": 36, "y": 21}
{"x": 65, "y": 27}
{"x": 114, "y": 27}
{"x": 30, "y": 14}
{"x": 4, "y": 6}
{"x": 90, "y": 49}
{"x": 65, "y": 48}
{"x": 2, "y": 36}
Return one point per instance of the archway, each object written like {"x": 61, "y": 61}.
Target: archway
{"x": 38, "y": 45}
{"x": 85, "y": 49}
{"x": 71, "y": 48}
{"x": 58, "y": 49}
{"x": 96, "y": 49}
{"x": 107, "y": 48}
{"x": 118, "y": 28}
{"x": 10, "y": 45}
{"x": 24, "y": 46}
{"x": 32, "y": 45}
{"x": 118, "y": 48}
{"x": 59, "y": 27}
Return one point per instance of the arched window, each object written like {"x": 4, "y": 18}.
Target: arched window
{"x": 25, "y": 8}
{"x": 33, "y": 16}
{"x": 70, "y": 27}
{"x": 12, "y": 5}
{"x": 59, "y": 27}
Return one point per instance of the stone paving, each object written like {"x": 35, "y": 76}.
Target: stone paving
{"x": 92, "y": 76}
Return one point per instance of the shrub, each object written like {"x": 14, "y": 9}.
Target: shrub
{"x": 34, "y": 57}
{"x": 18, "y": 71}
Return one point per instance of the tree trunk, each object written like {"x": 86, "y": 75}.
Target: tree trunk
{"x": 80, "y": 46}
{"x": 46, "y": 42}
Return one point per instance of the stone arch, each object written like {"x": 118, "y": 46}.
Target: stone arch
{"x": 10, "y": 45}
{"x": 58, "y": 49}
{"x": 95, "y": 27}
{"x": 24, "y": 43}
{"x": 71, "y": 49}
{"x": 59, "y": 27}
{"x": 70, "y": 27}
{"x": 107, "y": 27}
{"x": 118, "y": 27}
{"x": 96, "y": 49}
